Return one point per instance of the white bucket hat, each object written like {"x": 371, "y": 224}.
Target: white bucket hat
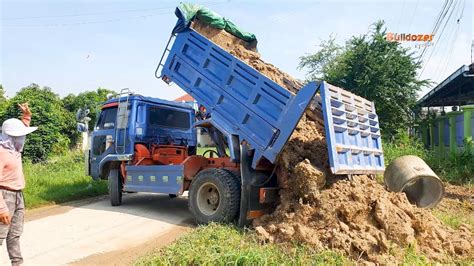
{"x": 15, "y": 128}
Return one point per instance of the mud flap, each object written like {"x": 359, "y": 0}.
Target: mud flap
{"x": 256, "y": 197}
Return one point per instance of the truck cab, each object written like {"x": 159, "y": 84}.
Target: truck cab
{"x": 132, "y": 120}
{"x": 144, "y": 144}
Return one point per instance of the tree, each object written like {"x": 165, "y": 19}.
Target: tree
{"x": 374, "y": 68}
{"x": 3, "y": 100}
{"x": 52, "y": 119}
{"x": 2, "y": 94}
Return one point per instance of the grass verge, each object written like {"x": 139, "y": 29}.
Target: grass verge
{"x": 58, "y": 180}
{"x": 454, "y": 212}
{"x": 217, "y": 244}
{"x": 456, "y": 168}
{"x": 454, "y": 220}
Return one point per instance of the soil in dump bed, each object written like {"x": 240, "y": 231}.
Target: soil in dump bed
{"x": 358, "y": 218}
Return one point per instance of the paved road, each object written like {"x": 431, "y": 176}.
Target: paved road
{"x": 96, "y": 233}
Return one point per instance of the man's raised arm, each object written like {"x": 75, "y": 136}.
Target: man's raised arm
{"x": 26, "y": 118}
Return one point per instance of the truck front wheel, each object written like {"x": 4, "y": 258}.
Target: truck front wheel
{"x": 115, "y": 187}
{"x": 214, "y": 196}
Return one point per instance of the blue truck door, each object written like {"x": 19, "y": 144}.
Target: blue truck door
{"x": 103, "y": 134}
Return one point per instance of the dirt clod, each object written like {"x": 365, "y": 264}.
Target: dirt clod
{"x": 263, "y": 234}
{"x": 357, "y": 217}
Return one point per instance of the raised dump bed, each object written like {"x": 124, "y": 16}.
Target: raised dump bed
{"x": 243, "y": 102}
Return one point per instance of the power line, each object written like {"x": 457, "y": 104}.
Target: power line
{"x": 98, "y": 21}
{"x": 103, "y": 13}
{"x": 86, "y": 22}
{"x": 448, "y": 41}
{"x": 450, "y": 10}
{"x": 447, "y": 20}
{"x": 401, "y": 14}
{"x": 435, "y": 27}
{"x": 413, "y": 16}
{"x": 87, "y": 14}
{"x": 438, "y": 22}
{"x": 472, "y": 51}
{"x": 458, "y": 21}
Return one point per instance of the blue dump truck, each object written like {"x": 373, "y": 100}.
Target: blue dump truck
{"x": 143, "y": 144}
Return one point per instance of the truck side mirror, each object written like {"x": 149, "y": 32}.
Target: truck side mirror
{"x": 81, "y": 127}
{"x": 81, "y": 114}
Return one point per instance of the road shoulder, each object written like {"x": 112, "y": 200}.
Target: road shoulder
{"x": 130, "y": 255}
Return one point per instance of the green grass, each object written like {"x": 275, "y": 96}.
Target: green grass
{"x": 455, "y": 215}
{"x": 402, "y": 145}
{"x": 451, "y": 220}
{"x": 411, "y": 257}
{"x": 60, "y": 179}
{"x": 454, "y": 168}
{"x": 216, "y": 244}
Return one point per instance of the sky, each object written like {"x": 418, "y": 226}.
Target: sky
{"x": 76, "y": 46}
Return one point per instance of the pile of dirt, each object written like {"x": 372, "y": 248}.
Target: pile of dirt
{"x": 463, "y": 194}
{"x": 362, "y": 220}
{"x": 359, "y": 218}
{"x": 246, "y": 52}
{"x": 222, "y": 38}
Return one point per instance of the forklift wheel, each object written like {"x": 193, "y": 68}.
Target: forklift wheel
{"x": 214, "y": 196}
{"x": 115, "y": 187}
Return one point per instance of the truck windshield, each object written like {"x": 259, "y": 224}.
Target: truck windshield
{"x": 107, "y": 119}
{"x": 169, "y": 118}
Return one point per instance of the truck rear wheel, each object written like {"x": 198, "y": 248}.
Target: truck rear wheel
{"x": 115, "y": 187}
{"x": 214, "y": 196}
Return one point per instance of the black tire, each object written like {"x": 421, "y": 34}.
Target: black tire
{"x": 236, "y": 174}
{"x": 115, "y": 187}
{"x": 202, "y": 195}
{"x": 237, "y": 179}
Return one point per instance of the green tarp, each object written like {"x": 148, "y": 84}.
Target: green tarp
{"x": 186, "y": 12}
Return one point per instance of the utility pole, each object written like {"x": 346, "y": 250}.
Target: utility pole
{"x": 472, "y": 50}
